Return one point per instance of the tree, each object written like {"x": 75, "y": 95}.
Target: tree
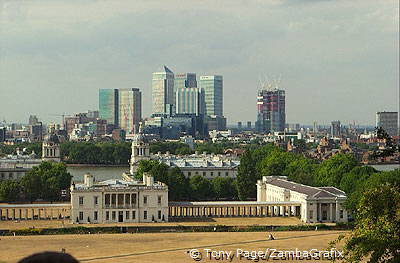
{"x": 224, "y": 187}
{"x": 331, "y": 171}
{"x": 201, "y": 188}
{"x": 376, "y": 236}
{"x": 46, "y": 181}
{"x": 246, "y": 177}
{"x": 9, "y": 191}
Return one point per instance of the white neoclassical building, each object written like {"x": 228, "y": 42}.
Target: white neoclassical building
{"x": 208, "y": 166}
{"x": 318, "y": 204}
{"x": 115, "y": 200}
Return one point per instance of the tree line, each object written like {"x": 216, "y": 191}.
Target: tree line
{"x": 43, "y": 182}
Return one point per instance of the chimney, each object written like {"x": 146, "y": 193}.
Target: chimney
{"x": 88, "y": 180}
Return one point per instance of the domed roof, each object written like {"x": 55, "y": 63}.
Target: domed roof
{"x": 139, "y": 137}
{"x": 52, "y": 138}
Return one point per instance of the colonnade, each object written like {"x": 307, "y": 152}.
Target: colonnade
{"x": 177, "y": 210}
{"x": 37, "y": 212}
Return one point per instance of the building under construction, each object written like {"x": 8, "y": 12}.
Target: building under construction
{"x": 271, "y": 115}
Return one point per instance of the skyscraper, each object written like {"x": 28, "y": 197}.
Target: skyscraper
{"x": 190, "y": 101}
{"x": 271, "y": 116}
{"x": 130, "y": 109}
{"x": 185, "y": 80}
{"x": 336, "y": 130}
{"x": 108, "y": 106}
{"x": 212, "y": 86}
{"x": 388, "y": 121}
{"x": 163, "y": 91}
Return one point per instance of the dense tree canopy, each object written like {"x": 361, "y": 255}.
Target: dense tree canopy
{"x": 376, "y": 236}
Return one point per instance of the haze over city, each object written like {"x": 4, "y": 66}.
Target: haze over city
{"x": 336, "y": 59}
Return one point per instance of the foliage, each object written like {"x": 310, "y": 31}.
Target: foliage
{"x": 376, "y": 236}
{"x": 390, "y": 146}
{"x": 171, "y": 147}
{"x": 46, "y": 181}
{"x": 331, "y": 171}
{"x": 9, "y": 191}
{"x": 201, "y": 188}
{"x": 224, "y": 188}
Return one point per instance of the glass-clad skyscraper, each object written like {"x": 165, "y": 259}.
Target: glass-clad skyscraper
{"x": 163, "y": 91}
{"x": 130, "y": 109}
{"x": 108, "y": 106}
{"x": 212, "y": 87}
{"x": 190, "y": 101}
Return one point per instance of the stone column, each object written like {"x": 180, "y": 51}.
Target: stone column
{"x": 13, "y": 214}
{"x": 1, "y": 214}
{"x": 319, "y": 212}
{"x": 330, "y": 217}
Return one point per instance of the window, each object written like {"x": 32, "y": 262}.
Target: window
{"x": 204, "y": 173}
{"x": 96, "y": 200}
{"x": 80, "y": 200}
{"x": 219, "y": 173}
{"x": 145, "y": 199}
{"x": 189, "y": 174}
{"x": 196, "y": 172}
{"x": 96, "y": 215}
{"x": 144, "y": 214}
{"x": 127, "y": 214}
{"x": 81, "y": 216}
{"x": 311, "y": 213}
{"x": 133, "y": 199}
{"x": 341, "y": 213}
{"x": 159, "y": 199}
{"x": 159, "y": 214}
{"x": 212, "y": 173}
{"x": 107, "y": 215}
{"x": 226, "y": 174}
{"x": 133, "y": 214}
{"x": 113, "y": 215}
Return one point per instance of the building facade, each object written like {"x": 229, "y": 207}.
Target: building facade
{"x": 189, "y": 101}
{"x": 271, "y": 116}
{"x": 213, "y": 94}
{"x": 336, "y": 129}
{"x": 163, "y": 91}
{"x": 318, "y": 204}
{"x": 130, "y": 109}
{"x": 115, "y": 200}
{"x": 389, "y": 121}
{"x": 108, "y": 106}
{"x": 185, "y": 80}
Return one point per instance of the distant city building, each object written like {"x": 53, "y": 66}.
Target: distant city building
{"x": 36, "y": 132}
{"x": 239, "y": 125}
{"x": 108, "y": 106}
{"x": 130, "y": 109}
{"x": 336, "y": 129}
{"x": 185, "y": 80}
{"x": 33, "y": 119}
{"x": 190, "y": 101}
{"x": 217, "y": 123}
{"x": 120, "y": 201}
{"x": 163, "y": 91}
{"x": 249, "y": 125}
{"x": 3, "y": 132}
{"x": 317, "y": 204}
{"x": 389, "y": 122}
{"x": 271, "y": 116}
{"x": 213, "y": 90}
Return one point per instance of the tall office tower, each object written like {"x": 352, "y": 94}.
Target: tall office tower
{"x": 163, "y": 91}
{"x": 388, "y": 121}
{"x": 239, "y": 125}
{"x": 108, "y": 106}
{"x": 190, "y": 101}
{"x": 185, "y": 80}
{"x": 335, "y": 129}
{"x": 130, "y": 109}
{"x": 271, "y": 116}
{"x": 33, "y": 119}
{"x": 212, "y": 86}
{"x": 249, "y": 125}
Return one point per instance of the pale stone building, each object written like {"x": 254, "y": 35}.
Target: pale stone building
{"x": 114, "y": 200}
{"x": 318, "y": 204}
{"x": 51, "y": 148}
{"x": 208, "y": 166}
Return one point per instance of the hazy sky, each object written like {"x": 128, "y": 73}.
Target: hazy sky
{"x": 336, "y": 59}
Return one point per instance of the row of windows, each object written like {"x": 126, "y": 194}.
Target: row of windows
{"x": 11, "y": 175}
{"x": 205, "y": 173}
{"x": 113, "y": 197}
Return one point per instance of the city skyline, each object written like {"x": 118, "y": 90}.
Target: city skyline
{"x": 343, "y": 65}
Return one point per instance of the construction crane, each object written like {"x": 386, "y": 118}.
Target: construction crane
{"x": 62, "y": 115}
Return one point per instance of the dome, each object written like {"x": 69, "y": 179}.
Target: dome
{"x": 52, "y": 138}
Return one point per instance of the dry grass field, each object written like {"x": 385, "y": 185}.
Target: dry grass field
{"x": 282, "y": 221}
{"x": 159, "y": 247}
